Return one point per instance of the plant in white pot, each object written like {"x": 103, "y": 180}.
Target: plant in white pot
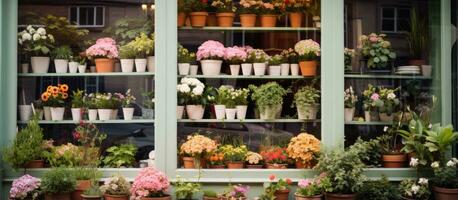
{"x": 269, "y": 99}
{"x": 90, "y": 104}
{"x": 127, "y": 55}
{"x": 148, "y": 105}
{"x": 274, "y": 65}
{"x": 307, "y": 100}
{"x": 143, "y": 47}
{"x": 350, "y": 100}
{"x": 77, "y": 105}
{"x": 259, "y": 59}
{"x": 210, "y": 54}
{"x": 247, "y": 63}
{"x": 241, "y": 102}
{"x": 151, "y": 63}
{"x": 370, "y": 95}
{"x": 106, "y": 104}
{"x": 185, "y": 58}
{"x": 54, "y": 97}
{"x": 81, "y": 64}
{"x": 73, "y": 64}
{"x": 37, "y": 44}
{"x": 386, "y": 103}
{"x": 285, "y": 66}
{"x": 221, "y": 99}
{"x": 127, "y": 103}
{"x": 196, "y": 98}
{"x": 61, "y": 56}
{"x": 234, "y": 56}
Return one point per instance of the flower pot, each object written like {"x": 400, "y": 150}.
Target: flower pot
{"x": 270, "y": 112}
{"x": 367, "y": 116}
{"x": 195, "y": 111}
{"x": 183, "y": 68}
{"x": 316, "y": 21}
{"x": 235, "y": 70}
{"x": 190, "y": 163}
{"x": 92, "y": 69}
{"x": 307, "y": 111}
{"x": 73, "y": 67}
{"x": 220, "y": 111}
{"x": 333, "y": 196}
{"x": 308, "y": 68}
{"x": 247, "y": 20}
{"x": 33, "y": 164}
{"x": 225, "y": 19}
{"x": 247, "y": 69}
{"x": 211, "y": 67}
{"x": 104, "y": 114}
{"x": 61, "y": 65}
{"x": 211, "y": 19}
{"x": 25, "y": 112}
{"x": 47, "y": 111}
{"x": 198, "y": 19}
{"x": 230, "y": 113}
{"x": 181, "y": 19}
{"x": 39, "y": 64}
{"x": 241, "y": 111}
{"x": 147, "y": 113}
{"x": 104, "y": 65}
{"x": 128, "y": 113}
{"x": 426, "y": 70}
{"x": 276, "y": 166}
{"x": 157, "y": 198}
{"x": 81, "y": 186}
{"x": 193, "y": 70}
{"x": 295, "y": 19}
{"x": 82, "y": 68}
{"x": 92, "y": 114}
{"x": 115, "y": 197}
{"x": 114, "y": 114}
{"x": 254, "y": 166}
{"x": 88, "y": 197}
{"x": 316, "y": 197}
{"x": 417, "y": 62}
{"x": 217, "y": 166}
{"x": 274, "y": 70}
{"x": 235, "y": 165}
{"x": 349, "y": 114}
{"x": 76, "y": 114}
{"x": 259, "y": 69}
{"x": 394, "y": 161}
{"x": 301, "y": 165}
{"x": 284, "y": 69}
{"x": 150, "y": 64}
{"x": 64, "y": 196}
{"x": 180, "y": 111}
{"x": 40, "y": 113}
{"x": 127, "y": 65}
{"x": 140, "y": 64}
{"x": 385, "y": 117}
{"x": 445, "y": 193}
{"x": 25, "y": 68}
{"x": 294, "y": 69}
{"x": 268, "y": 20}
{"x": 57, "y": 113}
{"x": 282, "y": 194}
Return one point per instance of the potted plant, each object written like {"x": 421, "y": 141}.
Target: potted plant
{"x": 58, "y": 183}
{"x": 274, "y": 65}
{"x": 210, "y": 54}
{"x": 54, "y": 97}
{"x": 148, "y": 105}
{"x": 290, "y": 60}
{"x": 104, "y": 52}
{"x": 417, "y": 38}
{"x": 275, "y": 158}
{"x": 81, "y": 64}
{"x": 120, "y": 156}
{"x": 61, "y": 57}
{"x": 182, "y": 91}
{"x": 303, "y": 149}
{"x": 66, "y": 155}
{"x": 216, "y": 159}
{"x": 25, "y": 187}
{"x": 37, "y": 43}
{"x": 377, "y": 51}
{"x": 38, "y": 106}
{"x": 185, "y": 190}
{"x": 278, "y": 190}
{"x": 85, "y": 178}
{"x": 183, "y": 10}
{"x": 239, "y": 192}
{"x": 143, "y": 47}
{"x": 73, "y": 64}
{"x": 221, "y": 100}
{"x": 127, "y": 55}
{"x": 247, "y": 63}
{"x": 345, "y": 169}
{"x": 386, "y": 103}
{"x": 234, "y": 56}
{"x": 185, "y": 58}
{"x": 92, "y": 193}
{"x": 392, "y": 156}
{"x": 445, "y": 185}
{"x": 315, "y": 10}
{"x": 349, "y": 54}
{"x": 106, "y": 103}
{"x": 90, "y": 139}
{"x": 225, "y": 12}
{"x": 195, "y": 99}
{"x": 195, "y": 149}
{"x": 90, "y": 103}
{"x": 295, "y": 9}
{"x": 127, "y": 103}
{"x": 412, "y": 189}
{"x": 312, "y": 189}
{"x": 370, "y": 95}
{"x": 210, "y": 195}
{"x": 150, "y": 184}
{"x": 269, "y": 11}
{"x": 150, "y": 59}
{"x": 254, "y": 160}
{"x": 259, "y": 59}
{"x": 247, "y": 11}
{"x": 350, "y": 100}
{"x": 199, "y": 14}
{"x": 307, "y": 100}
{"x": 269, "y": 99}
{"x": 234, "y": 155}
{"x": 116, "y": 188}
{"x": 308, "y": 52}
{"x": 241, "y": 102}
{"x": 77, "y": 105}
{"x": 379, "y": 189}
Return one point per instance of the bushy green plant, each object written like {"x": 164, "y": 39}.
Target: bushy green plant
{"x": 122, "y": 155}
{"x": 210, "y": 193}
{"x": 82, "y": 173}
{"x": 184, "y": 56}
{"x": 380, "y": 189}
{"x": 125, "y": 30}
{"x": 127, "y": 52}
{"x": 307, "y": 96}
{"x": 143, "y": 46}
{"x": 93, "y": 191}
{"x": 185, "y": 190}
{"x": 370, "y": 152}
{"x": 58, "y": 181}
{"x": 276, "y": 60}
{"x": 439, "y": 140}
{"x": 77, "y": 99}
{"x": 62, "y": 52}
{"x": 376, "y": 50}
{"x": 267, "y": 95}
{"x": 445, "y": 174}
{"x": 226, "y": 96}
{"x": 234, "y": 154}
{"x": 63, "y": 31}
{"x": 414, "y": 140}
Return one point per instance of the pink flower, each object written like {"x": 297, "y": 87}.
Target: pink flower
{"x": 211, "y": 50}
{"x": 25, "y": 186}
{"x": 149, "y": 182}
{"x": 303, "y": 183}
{"x": 272, "y": 177}
{"x": 373, "y": 38}
{"x": 103, "y": 47}
{"x": 375, "y": 97}
{"x": 235, "y": 53}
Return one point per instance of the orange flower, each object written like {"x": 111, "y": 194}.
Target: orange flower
{"x": 45, "y": 96}
{"x": 55, "y": 90}
{"x": 64, "y": 95}
{"x": 55, "y": 95}
{"x": 64, "y": 87}
{"x": 49, "y": 89}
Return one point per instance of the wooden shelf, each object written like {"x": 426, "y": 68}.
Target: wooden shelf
{"x": 85, "y": 74}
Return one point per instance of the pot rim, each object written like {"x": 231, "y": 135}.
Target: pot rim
{"x": 298, "y": 195}
{"x": 445, "y": 190}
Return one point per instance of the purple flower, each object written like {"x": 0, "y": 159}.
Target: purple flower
{"x": 25, "y": 186}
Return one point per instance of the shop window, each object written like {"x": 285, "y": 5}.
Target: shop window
{"x": 394, "y": 19}
{"x": 87, "y": 16}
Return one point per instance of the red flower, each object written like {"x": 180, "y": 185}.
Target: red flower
{"x": 286, "y": 1}
{"x": 76, "y": 135}
{"x": 204, "y": 1}
{"x": 289, "y": 181}
{"x": 272, "y": 177}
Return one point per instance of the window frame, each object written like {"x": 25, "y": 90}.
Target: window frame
{"x": 95, "y": 16}
{"x": 395, "y": 18}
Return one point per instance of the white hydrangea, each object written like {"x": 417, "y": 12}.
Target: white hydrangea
{"x": 423, "y": 181}
{"x": 435, "y": 164}
{"x": 183, "y": 88}
{"x": 391, "y": 96}
{"x": 197, "y": 90}
{"x": 451, "y": 163}
{"x": 26, "y": 36}
{"x": 413, "y": 162}
{"x": 415, "y": 189}
{"x": 36, "y": 37}
{"x": 307, "y": 46}
{"x": 51, "y": 37}
{"x": 41, "y": 31}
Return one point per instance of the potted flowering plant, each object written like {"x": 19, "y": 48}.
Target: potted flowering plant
{"x": 259, "y": 58}
{"x": 25, "y": 187}
{"x": 235, "y": 56}
{"x": 106, "y": 104}
{"x": 195, "y": 97}
{"x": 274, "y": 65}
{"x": 210, "y": 54}
{"x": 308, "y": 51}
{"x": 37, "y": 43}
{"x": 445, "y": 185}
{"x": 198, "y": 12}
{"x": 61, "y": 56}
{"x": 275, "y": 158}
{"x": 247, "y": 10}
{"x": 303, "y": 149}
{"x": 370, "y": 96}
{"x": 104, "y": 52}
{"x": 234, "y": 156}
{"x": 350, "y": 100}
{"x": 269, "y": 99}
{"x": 254, "y": 160}
{"x": 247, "y": 64}
{"x": 150, "y": 184}
{"x": 216, "y": 159}
{"x": 290, "y": 60}
{"x": 278, "y": 190}
{"x": 54, "y": 99}
{"x": 185, "y": 58}
{"x": 143, "y": 47}
{"x": 58, "y": 183}
{"x": 238, "y": 192}
{"x": 269, "y": 11}
{"x": 348, "y": 55}
{"x": 90, "y": 139}
{"x": 127, "y": 55}
{"x": 127, "y": 103}
{"x": 185, "y": 190}
{"x": 241, "y": 102}
{"x": 90, "y": 104}
{"x": 67, "y": 155}
{"x": 312, "y": 189}
{"x": 116, "y": 188}
{"x": 86, "y": 187}
{"x": 225, "y": 103}
{"x": 386, "y": 103}
{"x": 183, "y": 10}
{"x": 307, "y": 100}
{"x": 225, "y": 12}
{"x": 77, "y": 105}
{"x": 377, "y": 51}
{"x": 412, "y": 189}
{"x": 195, "y": 149}
{"x": 295, "y": 9}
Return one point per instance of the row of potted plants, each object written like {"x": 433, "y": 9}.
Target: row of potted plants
{"x": 267, "y": 10}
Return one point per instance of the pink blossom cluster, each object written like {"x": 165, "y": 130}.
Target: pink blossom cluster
{"x": 235, "y": 54}
{"x": 211, "y": 50}
{"x": 25, "y": 186}
{"x": 103, "y": 47}
{"x": 375, "y": 97}
{"x": 149, "y": 183}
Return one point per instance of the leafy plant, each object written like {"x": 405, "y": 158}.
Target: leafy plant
{"x": 122, "y": 155}
{"x": 36, "y": 42}
{"x": 58, "y": 181}
{"x": 77, "y": 99}
{"x": 185, "y": 190}
{"x": 197, "y": 5}
{"x": 62, "y": 52}
{"x": 93, "y": 191}
{"x": 143, "y": 46}
{"x": 82, "y": 173}
{"x": 67, "y": 155}
{"x": 369, "y": 152}
{"x": 439, "y": 140}
{"x": 445, "y": 174}
{"x": 380, "y": 189}
{"x": 313, "y": 187}
{"x": 376, "y": 50}
{"x": 127, "y": 52}
{"x": 64, "y": 32}
{"x": 306, "y": 96}
{"x": 276, "y": 60}
{"x": 125, "y": 30}
{"x": 412, "y": 189}
{"x": 184, "y": 56}
{"x": 414, "y": 140}
{"x": 267, "y": 95}
{"x": 274, "y": 186}
{"x": 148, "y": 99}
{"x": 418, "y": 36}
{"x": 234, "y": 154}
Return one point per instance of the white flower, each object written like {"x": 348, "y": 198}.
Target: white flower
{"x": 455, "y": 160}
{"x": 198, "y": 90}
{"x": 451, "y": 163}
{"x": 43, "y": 37}
{"x": 41, "y": 31}
{"x": 391, "y": 96}
{"x": 36, "y": 37}
{"x": 413, "y": 162}
{"x": 183, "y": 88}
{"x": 385, "y": 128}
{"x": 430, "y": 126}
{"x": 26, "y": 36}
{"x": 423, "y": 181}
{"x": 415, "y": 188}
{"x": 51, "y": 37}
{"x": 435, "y": 164}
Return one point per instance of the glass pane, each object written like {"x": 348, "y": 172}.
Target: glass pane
{"x": 73, "y": 15}
{"x": 388, "y": 25}
{"x": 388, "y": 12}
{"x": 99, "y": 17}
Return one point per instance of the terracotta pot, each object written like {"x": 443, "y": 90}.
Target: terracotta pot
{"x": 247, "y": 20}
{"x": 302, "y": 165}
{"x": 254, "y": 166}
{"x": 198, "y": 19}
{"x": 276, "y": 166}
{"x": 84, "y": 197}
{"x": 35, "y": 164}
{"x": 394, "y": 161}
{"x": 308, "y": 68}
{"x": 235, "y": 165}
{"x": 445, "y": 193}
{"x": 115, "y": 197}
{"x": 189, "y": 163}
{"x": 282, "y": 194}
{"x": 225, "y": 19}
{"x": 64, "y": 196}
{"x": 181, "y": 19}
{"x": 157, "y": 198}
{"x": 417, "y": 62}
{"x": 268, "y": 20}
{"x": 211, "y": 20}
{"x": 104, "y": 65}
{"x": 295, "y": 19}
{"x": 81, "y": 186}
{"x": 333, "y": 196}
{"x": 217, "y": 166}
{"x": 316, "y": 197}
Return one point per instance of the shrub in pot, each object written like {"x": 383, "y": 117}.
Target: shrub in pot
{"x": 392, "y": 156}
{"x": 150, "y": 184}
{"x": 195, "y": 149}
{"x": 61, "y": 56}
{"x": 238, "y": 191}
{"x": 377, "y": 51}
{"x": 54, "y": 98}
{"x": 386, "y": 102}
{"x": 307, "y": 100}
{"x": 120, "y": 156}
{"x": 303, "y": 149}
{"x": 25, "y": 187}
{"x": 274, "y": 65}
{"x": 116, "y": 188}
{"x": 413, "y": 189}
{"x": 269, "y": 11}
{"x": 185, "y": 58}
{"x": 269, "y": 99}
{"x": 259, "y": 59}
{"x": 445, "y": 185}
{"x": 254, "y": 160}
{"x": 225, "y": 12}
{"x": 58, "y": 183}
{"x": 295, "y": 10}
{"x": 77, "y": 105}
{"x": 85, "y": 178}
{"x": 211, "y": 55}
{"x": 247, "y": 11}
{"x": 234, "y": 155}
{"x": 185, "y": 190}
{"x": 350, "y": 100}
{"x": 37, "y": 44}
{"x": 234, "y": 56}
{"x": 198, "y": 12}
{"x": 195, "y": 96}
{"x": 308, "y": 52}
{"x": 417, "y": 38}
{"x": 370, "y": 152}
{"x": 312, "y": 189}
{"x": 380, "y": 189}
{"x": 92, "y": 193}
{"x": 143, "y": 47}
{"x": 127, "y": 103}
{"x": 276, "y": 189}
{"x": 127, "y": 55}
{"x": 275, "y": 158}
{"x": 104, "y": 52}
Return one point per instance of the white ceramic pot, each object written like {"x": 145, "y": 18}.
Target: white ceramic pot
{"x": 127, "y": 65}
{"x": 61, "y": 65}
{"x": 183, "y": 68}
{"x": 92, "y": 114}
{"x": 367, "y": 116}
{"x": 284, "y": 69}
{"x": 47, "y": 112}
{"x": 25, "y": 68}
{"x": 270, "y": 112}
{"x": 25, "y": 112}
{"x": 57, "y": 113}
{"x": 426, "y": 70}
{"x": 230, "y": 113}
{"x": 128, "y": 113}
{"x": 386, "y": 118}
{"x": 259, "y": 69}
{"x": 349, "y": 114}
{"x": 40, "y": 113}
{"x": 294, "y": 69}
{"x": 274, "y": 70}
{"x": 235, "y": 70}
{"x": 114, "y": 114}
{"x": 73, "y": 67}
{"x": 195, "y": 111}
{"x": 82, "y": 68}
{"x": 40, "y": 64}
{"x": 180, "y": 111}
{"x": 247, "y": 69}
{"x": 220, "y": 111}
{"x": 307, "y": 112}
{"x": 241, "y": 111}
{"x": 194, "y": 69}
{"x": 151, "y": 64}
{"x": 105, "y": 114}
{"x": 76, "y": 114}
{"x": 140, "y": 64}
{"x": 211, "y": 67}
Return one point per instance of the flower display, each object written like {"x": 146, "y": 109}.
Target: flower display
{"x": 103, "y": 48}
{"x": 234, "y": 154}
{"x": 370, "y": 95}
{"x": 241, "y": 96}
{"x": 271, "y": 7}
{"x": 55, "y": 96}
{"x": 376, "y": 50}
{"x": 25, "y": 187}
{"x": 445, "y": 173}
{"x": 127, "y": 100}
{"x": 88, "y": 135}
{"x": 36, "y": 41}
{"x": 350, "y": 98}
{"x": 197, "y": 146}
{"x": 307, "y": 50}
{"x": 216, "y": 158}
{"x": 238, "y": 191}
{"x": 348, "y": 55}
{"x": 289, "y": 56}
{"x": 312, "y": 187}
{"x": 253, "y": 158}
{"x": 191, "y": 92}
{"x": 303, "y": 148}
{"x": 107, "y": 101}
{"x": 149, "y": 183}
{"x": 385, "y": 100}
{"x": 257, "y": 56}
{"x": 296, "y": 5}
{"x": 67, "y": 155}
{"x": 211, "y": 50}
{"x": 235, "y": 55}
{"x": 224, "y": 6}
{"x": 249, "y": 6}
{"x": 184, "y": 56}
{"x": 116, "y": 185}
{"x": 275, "y": 155}
{"x": 412, "y": 189}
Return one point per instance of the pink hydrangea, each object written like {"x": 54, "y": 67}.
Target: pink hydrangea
{"x": 375, "y": 97}
{"x": 235, "y": 54}
{"x": 211, "y": 50}
{"x": 103, "y": 48}
{"x": 25, "y": 186}
{"x": 149, "y": 183}
{"x": 303, "y": 183}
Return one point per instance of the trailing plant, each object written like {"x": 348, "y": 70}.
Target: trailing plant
{"x": 267, "y": 95}
{"x": 62, "y": 52}
{"x": 77, "y": 99}
{"x": 120, "y": 156}
{"x": 380, "y": 189}
{"x": 58, "y": 181}
{"x": 185, "y": 190}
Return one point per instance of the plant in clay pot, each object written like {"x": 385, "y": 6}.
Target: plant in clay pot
{"x": 269, "y": 11}
{"x": 92, "y": 193}
{"x": 54, "y": 98}
{"x": 61, "y": 56}
{"x": 104, "y": 52}
{"x": 380, "y": 189}
{"x": 349, "y": 54}
{"x": 254, "y": 160}
{"x": 307, "y": 100}
{"x": 295, "y": 10}
{"x": 239, "y": 192}
{"x": 116, "y": 188}
{"x": 247, "y": 10}
{"x": 58, "y": 183}
{"x": 195, "y": 149}
{"x": 275, "y": 158}
{"x": 77, "y": 105}
{"x": 269, "y": 99}
{"x": 415, "y": 190}
{"x": 216, "y": 159}
{"x": 350, "y": 100}
{"x": 377, "y": 51}
{"x": 85, "y": 178}
{"x": 37, "y": 44}
{"x": 386, "y": 103}
{"x": 225, "y": 12}
{"x": 259, "y": 58}
{"x": 392, "y": 156}
{"x": 308, "y": 51}
{"x": 195, "y": 97}
{"x": 150, "y": 184}
{"x": 120, "y": 156}
{"x": 234, "y": 155}
{"x": 417, "y": 38}
{"x": 370, "y": 96}
{"x": 185, "y": 59}
{"x": 235, "y": 56}
{"x": 183, "y": 10}
{"x": 276, "y": 189}
{"x": 445, "y": 185}
{"x": 211, "y": 54}
{"x": 198, "y": 12}
{"x": 25, "y": 187}
{"x": 185, "y": 190}
{"x": 304, "y": 149}
{"x": 312, "y": 189}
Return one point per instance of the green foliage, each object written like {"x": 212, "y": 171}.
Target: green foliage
{"x": 122, "y": 155}
{"x": 58, "y": 181}
{"x": 414, "y": 141}
{"x": 67, "y": 155}
{"x": 440, "y": 139}
{"x": 376, "y": 50}
{"x": 127, "y": 52}
{"x": 408, "y": 186}
{"x": 307, "y": 95}
{"x": 445, "y": 175}
{"x": 62, "y": 52}
{"x": 77, "y": 99}
{"x": 197, "y": 5}
{"x": 210, "y": 193}
{"x": 269, "y": 191}
{"x": 380, "y": 189}
{"x": 148, "y": 99}
{"x": 86, "y": 173}
{"x": 184, "y": 56}
{"x": 185, "y": 190}
{"x": 369, "y": 152}
{"x": 225, "y": 96}
{"x": 267, "y": 95}
{"x": 93, "y": 191}
{"x": 143, "y": 45}
{"x": 276, "y": 60}
{"x": 125, "y": 30}
{"x": 64, "y": 33}
{"x": 418, "y": 36}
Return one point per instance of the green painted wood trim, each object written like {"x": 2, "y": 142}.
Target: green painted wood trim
{"x": 446, "y": 61}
